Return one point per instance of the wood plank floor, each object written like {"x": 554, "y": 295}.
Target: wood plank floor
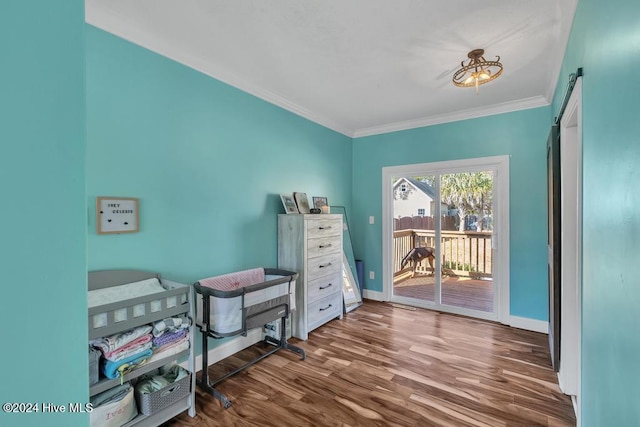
{"x": 388, "y": 366}
{"x": 456, "y": 291}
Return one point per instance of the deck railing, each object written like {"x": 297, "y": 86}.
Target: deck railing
{"x": 464, "y": 253}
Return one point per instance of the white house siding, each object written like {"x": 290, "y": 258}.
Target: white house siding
{"x": 415, "y": 200}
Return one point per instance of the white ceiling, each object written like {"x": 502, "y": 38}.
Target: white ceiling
{"x": 360, "y": 67}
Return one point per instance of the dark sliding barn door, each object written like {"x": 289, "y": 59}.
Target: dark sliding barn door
{"x": 553, "y": 242}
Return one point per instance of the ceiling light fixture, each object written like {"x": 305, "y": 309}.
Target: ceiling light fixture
{"x": 477, "y": 71}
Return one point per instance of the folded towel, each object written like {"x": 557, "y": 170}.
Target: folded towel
{"x": 231, "y": 281}
{"x": 112, "y": 369}
{"x": 135, "y": 346}
{"x": 132, "y": 351}
{"x": 114, "y": 342}
{"x": 168, "y": 337}
{"x": 170, "y": 345}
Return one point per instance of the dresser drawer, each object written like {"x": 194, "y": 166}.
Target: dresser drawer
{"x": 324, "y": 286}
{"x": 324, "y": 228}
{"x": 323, "y": 245}
{"x": 323, "y": 265}
{"x": 323, "y": 310}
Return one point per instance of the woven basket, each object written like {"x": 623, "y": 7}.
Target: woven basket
{"x": 151, "y": 403}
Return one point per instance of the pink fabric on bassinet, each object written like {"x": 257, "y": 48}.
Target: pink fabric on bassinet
{"x": 231, "y": 281}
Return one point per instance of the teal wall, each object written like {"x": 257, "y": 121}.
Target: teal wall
{"x": 522, "y": 135}
{"x": 43, "y": 239}
{"x": 605, "y": 40}
{"x": 207, "y": 161}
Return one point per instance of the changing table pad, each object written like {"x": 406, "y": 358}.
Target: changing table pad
{"x": 124, "y": 292}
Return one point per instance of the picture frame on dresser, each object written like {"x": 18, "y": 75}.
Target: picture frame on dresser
{"x": 302, "y": 202}
{"x": 289, "y": 204}
{"x": 319, "y": 202}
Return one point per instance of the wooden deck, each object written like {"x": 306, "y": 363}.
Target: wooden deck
{"x": 456, "y": 291}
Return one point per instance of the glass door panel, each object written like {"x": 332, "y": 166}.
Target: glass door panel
{"x": 466, "y": 240}
{"x": 415, "y": 218}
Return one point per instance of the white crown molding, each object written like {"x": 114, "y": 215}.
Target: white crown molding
{"x": 101, "y": 17}
{"x": 505, "y": 107}
{"x": 117, "y": 25}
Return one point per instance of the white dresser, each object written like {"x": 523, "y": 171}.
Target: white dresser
{"x": 312, "y": 246}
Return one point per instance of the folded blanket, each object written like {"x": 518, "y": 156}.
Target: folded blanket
{"x": 112, "y": 395}
{"x": 137, "y": 346}
{"x": 170, "y": 345}
{"x": 112, "y": 369}
{"x": 168, "y": 337}
{"x": 231, "y": 281}
{"x": 172, "y": 324}
{"x": 114, "y": 342}
{"x": 169, "y": 350}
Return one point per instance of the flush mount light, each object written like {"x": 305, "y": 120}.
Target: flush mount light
{"x": 477, "y": 71}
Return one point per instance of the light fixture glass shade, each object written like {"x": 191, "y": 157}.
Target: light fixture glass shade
{"x": 477, "y": 71}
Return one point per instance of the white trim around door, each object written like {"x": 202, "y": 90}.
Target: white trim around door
{"x": 571, "y": 246}
{"x": 500, "y": 241}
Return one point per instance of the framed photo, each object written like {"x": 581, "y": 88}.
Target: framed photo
{"x": 302, "y": 202}
{"x": 116, "y": 215}
{"x": 319, "y": 202}
{"x": 289, "y": 204}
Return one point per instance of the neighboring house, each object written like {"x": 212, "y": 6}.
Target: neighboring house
{"x": 414, "y": 198}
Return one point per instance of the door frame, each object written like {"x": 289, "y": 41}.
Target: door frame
{"x": 569, "y": 377}
{"x": 500, "y": 240}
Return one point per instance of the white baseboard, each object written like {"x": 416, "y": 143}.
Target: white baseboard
{"x": 529, "y": 324}
{"x": 230, "y": 347}
{"x": 373, "y": 295}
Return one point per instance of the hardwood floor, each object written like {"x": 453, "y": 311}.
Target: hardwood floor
{"x": 387, "y": 366}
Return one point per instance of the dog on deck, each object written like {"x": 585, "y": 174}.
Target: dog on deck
{"x": 416, "y": 255}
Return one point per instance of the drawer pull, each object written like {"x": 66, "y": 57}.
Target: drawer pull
{"x": 324, "y": 265}
{"x": 325, "y": 246}
{"x": 324, "y": 228}
{"x": 325, "y": 287}
{"x": 327, "y": 307}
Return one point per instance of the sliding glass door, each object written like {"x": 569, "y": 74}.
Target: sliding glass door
{"x": 441, "y": 236}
